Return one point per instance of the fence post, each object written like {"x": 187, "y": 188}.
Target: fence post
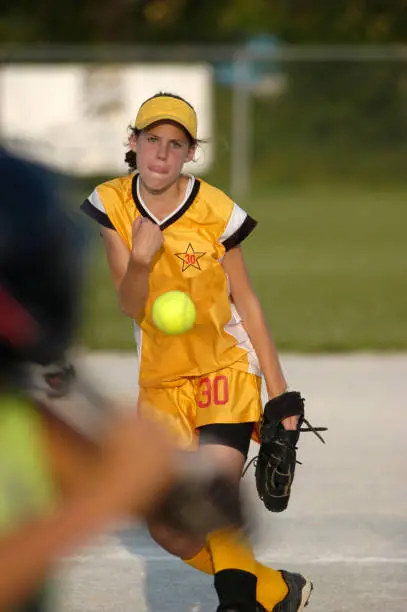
{"x": 241, "y": 128}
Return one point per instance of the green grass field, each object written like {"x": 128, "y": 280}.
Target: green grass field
{"x": 329, "y": 265}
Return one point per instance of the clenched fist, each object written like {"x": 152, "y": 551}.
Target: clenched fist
{"x": 147, "y": 239}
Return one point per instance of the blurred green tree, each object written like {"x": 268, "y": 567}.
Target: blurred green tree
{"x": 132, "y": 21}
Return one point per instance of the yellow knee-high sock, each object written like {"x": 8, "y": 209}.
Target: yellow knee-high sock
{"x": 234, "y": 568}
{"x": 230, "y": 550}
{"x": 202, "y": 561}
{"x": 271, "y": 587}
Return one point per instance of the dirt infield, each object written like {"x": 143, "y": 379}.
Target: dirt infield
{"x": 346, "y": 525}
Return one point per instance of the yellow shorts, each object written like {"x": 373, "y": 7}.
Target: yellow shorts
{"x": 225, "y": 396}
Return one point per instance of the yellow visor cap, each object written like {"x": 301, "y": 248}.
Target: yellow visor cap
{"x": 172, "y": 109}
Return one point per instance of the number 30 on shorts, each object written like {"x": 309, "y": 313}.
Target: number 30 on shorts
{"x": 214, "y": 391}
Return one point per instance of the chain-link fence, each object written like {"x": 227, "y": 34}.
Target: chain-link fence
{"x": 311, "y": 140}
{"x": 279, "y": 114}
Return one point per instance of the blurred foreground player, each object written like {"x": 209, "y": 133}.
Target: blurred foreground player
{"x": 58, "y": 486}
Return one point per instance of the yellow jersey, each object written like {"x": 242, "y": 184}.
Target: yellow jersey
{"x": 196, "y": 236}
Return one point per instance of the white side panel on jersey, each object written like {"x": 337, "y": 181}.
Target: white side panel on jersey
{"x": 138, "y": 336}
{"x": 235, "y": 328}
{"x": 96, "y": 201}
{"x": 236, "y": 220}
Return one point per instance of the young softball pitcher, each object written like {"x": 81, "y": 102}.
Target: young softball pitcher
{"x": 164, "y": 230}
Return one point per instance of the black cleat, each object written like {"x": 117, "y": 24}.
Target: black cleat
{"x": 297, "y": 598}
{"x": 299, "y": 592}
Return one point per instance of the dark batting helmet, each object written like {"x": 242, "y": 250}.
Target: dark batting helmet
{"x": 41, "y": 251}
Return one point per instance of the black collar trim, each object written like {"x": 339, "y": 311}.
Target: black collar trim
{"x": 188, "y": 202}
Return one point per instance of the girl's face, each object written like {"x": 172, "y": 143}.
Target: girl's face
{"x": 162, "y": 150}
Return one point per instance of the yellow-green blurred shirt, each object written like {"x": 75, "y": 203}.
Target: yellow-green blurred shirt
{"x": 26, "y": 484}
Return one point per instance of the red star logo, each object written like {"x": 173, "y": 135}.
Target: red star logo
{"x": 190, "y": 258}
